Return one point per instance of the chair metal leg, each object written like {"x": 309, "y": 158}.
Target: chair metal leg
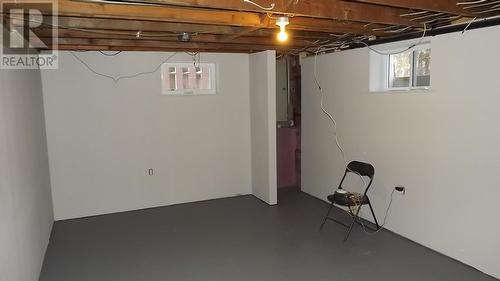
{"x": 326, "y": 217}
{"x": 373, "y": 214}
{"x": 352, "y": 224}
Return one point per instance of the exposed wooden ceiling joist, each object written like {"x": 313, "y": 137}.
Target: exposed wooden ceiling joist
{"x": 246, "y": 31}
{"x": 300, "y": 24}
{"x": 443, "y": 6}
{"x": 369, "y": 14}
{"x": 143, "y": 49}
{"x": 329, "y": 9}
{"x": 141, "y": 25}
{"x": 107, "y": 26}
{"x": 207, "y": 38}
{"x": 163, "y": 44}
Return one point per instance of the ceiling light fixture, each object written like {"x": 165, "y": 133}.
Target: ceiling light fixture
{"x": 282, "y": 22}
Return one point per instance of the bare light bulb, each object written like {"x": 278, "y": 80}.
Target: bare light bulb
{"x": 282, "y": 22}
{"x": 282, "y": 35}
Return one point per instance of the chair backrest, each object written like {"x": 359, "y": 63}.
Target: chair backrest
{"x": 359, "y": 168}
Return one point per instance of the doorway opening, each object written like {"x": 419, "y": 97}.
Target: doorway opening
{"x": 288, "y": 120}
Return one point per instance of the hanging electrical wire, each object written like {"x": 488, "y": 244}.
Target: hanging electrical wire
{"x": 480, "y": 7}
{"x": 398, "y": 52}
{"x": 271, "y": 6}
{"x": 118, "y": 78}
{"x": 467, "y": 26}
{"x": 110, "y": 54}
{"x": 196, "y": 56}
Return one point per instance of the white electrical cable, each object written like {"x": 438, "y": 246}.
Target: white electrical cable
{"x": 323, "y": 109}
{"x": 331, "y": 118}
{"x": 385, "y": 217}
{"x": 399, "y": 52}
{"x": 466, "y": 27}
{"x": 271, "y": 6}
{"x": 117, "y": 79}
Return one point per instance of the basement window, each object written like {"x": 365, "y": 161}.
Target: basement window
{"x": 188, "y": 79}
{"x": 411, "y": 69}
{"x": 400, "y": 71}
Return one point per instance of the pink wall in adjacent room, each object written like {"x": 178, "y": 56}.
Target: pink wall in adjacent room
{"x": 286, "y": 148}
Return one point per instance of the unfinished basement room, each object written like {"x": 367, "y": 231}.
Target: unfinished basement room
{"x": 249, "y": 140}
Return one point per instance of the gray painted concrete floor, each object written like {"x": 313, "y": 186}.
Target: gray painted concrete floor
{"x": 237, "y": 239}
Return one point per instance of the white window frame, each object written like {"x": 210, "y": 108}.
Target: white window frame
{"x": 388, "y": 73}
{"x": 212, "y": 81}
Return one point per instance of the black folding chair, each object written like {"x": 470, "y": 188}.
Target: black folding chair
{"x": 352, "y": 199}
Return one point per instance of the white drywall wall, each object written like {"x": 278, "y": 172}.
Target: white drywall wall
{"x": 104, "y": 136}
{"x": 25, "y": 199}
{"x": 442, "y": 145}
{"x": 263, "y": 124}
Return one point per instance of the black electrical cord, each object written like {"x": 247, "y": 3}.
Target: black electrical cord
{"x": 112, "y": 54}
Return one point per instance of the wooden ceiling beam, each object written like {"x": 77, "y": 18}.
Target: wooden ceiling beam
{"x": 246, "y": 31}
{"x": 331, "y": 26}
{"x": 232, "y": 18}
{"x": 130, "y": 26}
{"x": 299, "y": 24}
{"x": 111, "y": 27}
{"x": 231, "y": 37}
{"x": 138, "y": 49}
{"x": 442, "y": 6}
{"x": 121, "y": 43}
{"x": 329, "y": 9}
{"x": 207, "y": 38}
{"x": 141, "y": 25}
